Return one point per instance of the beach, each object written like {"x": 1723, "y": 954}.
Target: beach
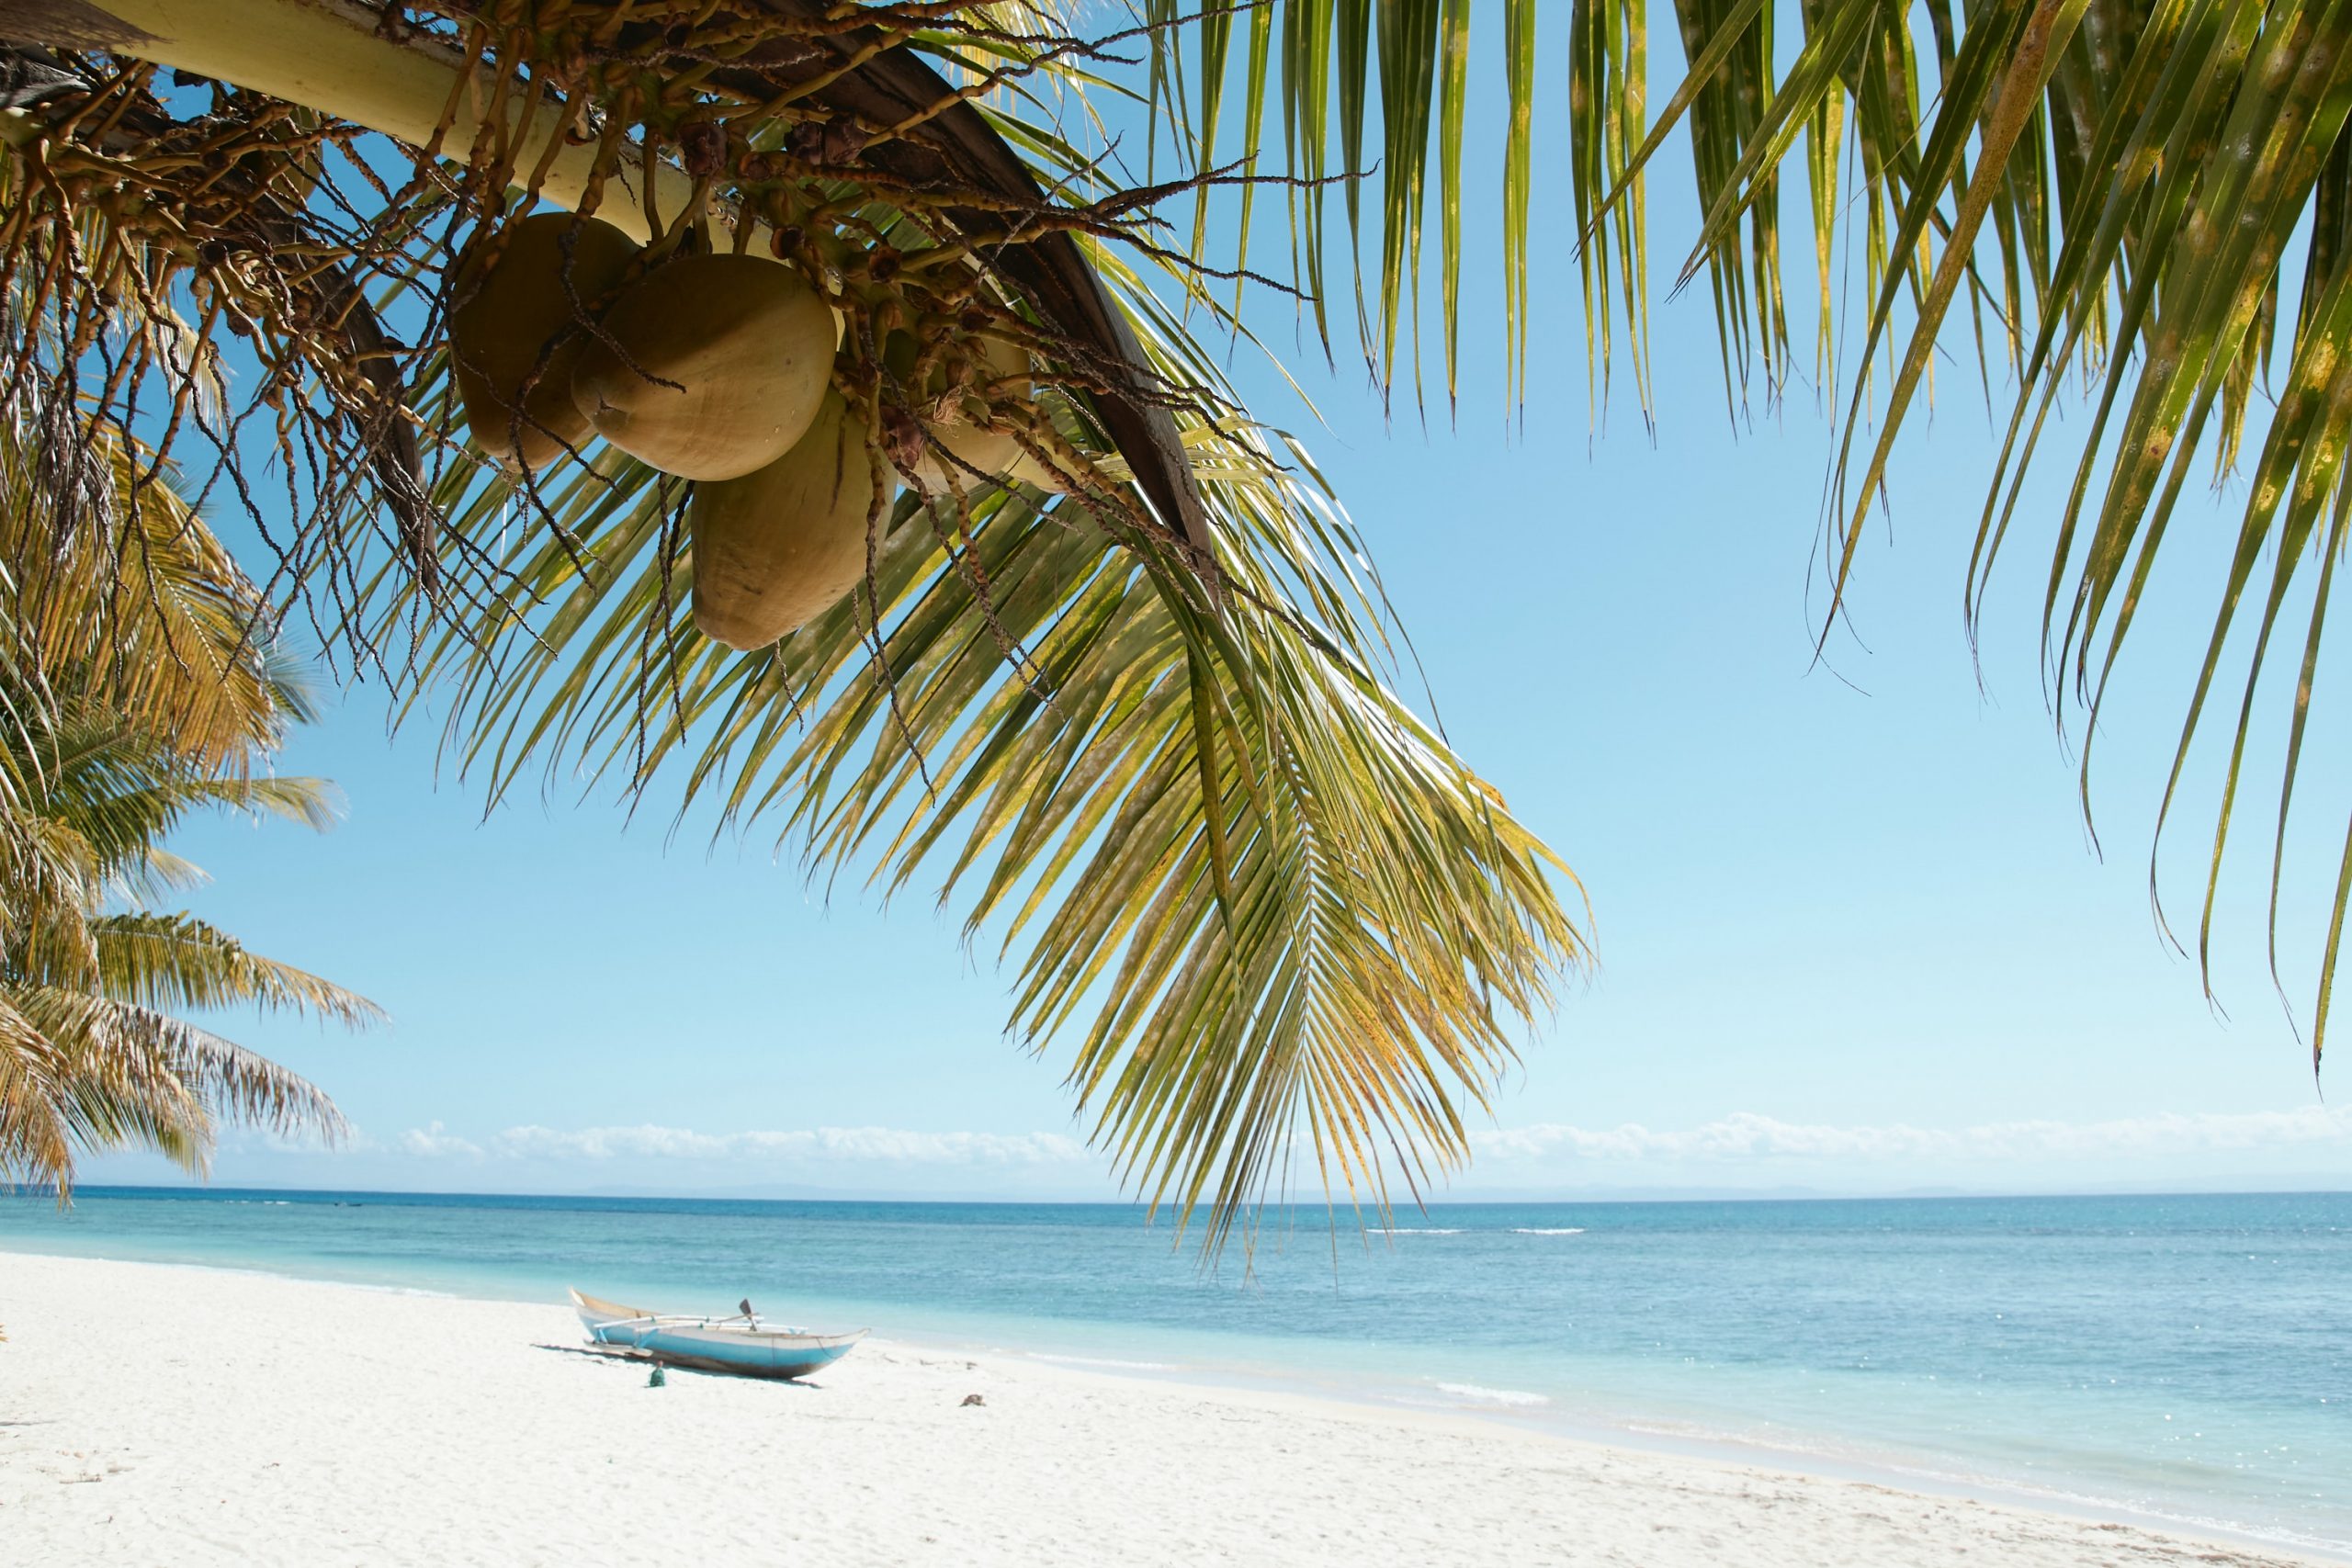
{"x": 168, "y": 1413}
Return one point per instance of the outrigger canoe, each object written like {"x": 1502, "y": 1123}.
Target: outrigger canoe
{"x": 745, "y": 1343}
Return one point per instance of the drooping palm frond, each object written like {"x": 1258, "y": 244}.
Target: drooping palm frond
{"x": 161, "y": 962}
{"x": 1286, "y": 905}
{"x": 36, "y": 1124}
{"x": 2104, "y": 188}
{"x": 1142, "y": 722}
{"x": 1858, "y": 76}
{"x": 1263, "y": 896}
{"x": 138, "y": 1078}
{"x": 89, "y": 1059}
{"x": 113, "y": 1088}
{"x": 140, "y": 681}
{"x": 116, "y": 584}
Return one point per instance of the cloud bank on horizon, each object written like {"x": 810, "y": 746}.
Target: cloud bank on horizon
{"x": 2312, "y": 1144}
{"x": 829, "y": 1144}
{"x": 1744, "y": 1138}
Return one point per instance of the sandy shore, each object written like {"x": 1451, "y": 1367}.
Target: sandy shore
{"x": 155, "y": 1414}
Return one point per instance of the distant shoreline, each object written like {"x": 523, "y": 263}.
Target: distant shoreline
{"x": 252, "y": 1418}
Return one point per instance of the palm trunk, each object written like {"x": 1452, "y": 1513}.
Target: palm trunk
{"x": 329, "y": 55}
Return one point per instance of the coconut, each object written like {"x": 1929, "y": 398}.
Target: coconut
{"x": 723, "y": 362}
{"x": 997, "y": 454}
{"x": 519, "y": 309}
{"x": 777, "y": 548}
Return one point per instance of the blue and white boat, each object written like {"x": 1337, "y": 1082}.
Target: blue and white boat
{"x": 745, "y": 1343}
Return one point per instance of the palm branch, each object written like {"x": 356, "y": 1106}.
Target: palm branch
{"x": 135, "y": 1078}
{"x": 142, "y": 684}
{"x": 119, "y": 586}
{"x": 1145, "y": 726}
{"x": 1284, "y": 902}
{"x": 159, "y": 963}
{"x": 37, "y": 1126}
{"x": 2150, "y": 195}
{"x": 90, "y": 1056}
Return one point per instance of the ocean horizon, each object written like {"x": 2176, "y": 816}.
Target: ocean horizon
{"x": 2173, "y": 1357}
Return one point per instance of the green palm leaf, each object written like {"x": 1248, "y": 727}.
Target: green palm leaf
{"x": 1148, "y": 737}
{"x": 117, "y": 586}
{"x": 36, "y": 1124}
{"x": 1264, "y": 898}
{"x": 1286, "y": 905}
{"x": 2114, "y": 187}
{"x": 139, "y": 682}
{"x": 160, "y": 961}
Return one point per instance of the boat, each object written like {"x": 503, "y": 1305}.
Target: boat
{"x": 745, "y": 1343}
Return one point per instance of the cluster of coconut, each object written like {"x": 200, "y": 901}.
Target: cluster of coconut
{"x": 714, "y": 368}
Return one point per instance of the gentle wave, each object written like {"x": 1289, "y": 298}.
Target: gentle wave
{"x": 1532, "y": 1230}
{"x": 1491, "y": 1395}
{"x": 1425, "y": 1230}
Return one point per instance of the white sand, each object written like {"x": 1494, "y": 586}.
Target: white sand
{"x": 167, "y": 1415}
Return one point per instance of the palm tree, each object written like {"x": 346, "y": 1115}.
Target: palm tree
{"x": 1142, "y": 723}
{"x": 92, "y": 1055}
{"x": 104, "y": 750}
{"x": 1145, "y": 717}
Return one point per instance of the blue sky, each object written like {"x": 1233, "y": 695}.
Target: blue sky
{"x": 1852, "y": 934}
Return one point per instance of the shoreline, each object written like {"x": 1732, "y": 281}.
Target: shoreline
{"x": 1546, "y": 1422}
{"x": 332, "y": 1344}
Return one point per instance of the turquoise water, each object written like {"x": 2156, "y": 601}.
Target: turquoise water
{"x": 2178, "y": 1357}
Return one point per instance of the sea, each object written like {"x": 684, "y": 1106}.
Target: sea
{"x": 2185, "y": 1361}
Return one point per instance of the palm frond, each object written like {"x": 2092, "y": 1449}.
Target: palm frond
{"x": 37, "y": 1133}
{"x": 111, "y": 789}
{"x": 161, "y": 962}
{"x": 1289, "y": 909}
{"x": 115, "y": 1089}
{"x": 137, "y": 683}
{"x": 114, "y": 585}
{"x": 2108, "y": 189}
{"x": 1144, "y": 727}
{"x": 1286, "y": 902}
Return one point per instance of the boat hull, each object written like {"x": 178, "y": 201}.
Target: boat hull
{"x": 711, "y": 1345}
{"x": 697, "y": 1359}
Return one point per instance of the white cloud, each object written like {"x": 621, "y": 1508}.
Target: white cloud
{"x": 1748, "y": 1136}
{"x": 1745, "y": 1140}
{"x": 432, "y": 1142}
{"x": 815, "y": 1145}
